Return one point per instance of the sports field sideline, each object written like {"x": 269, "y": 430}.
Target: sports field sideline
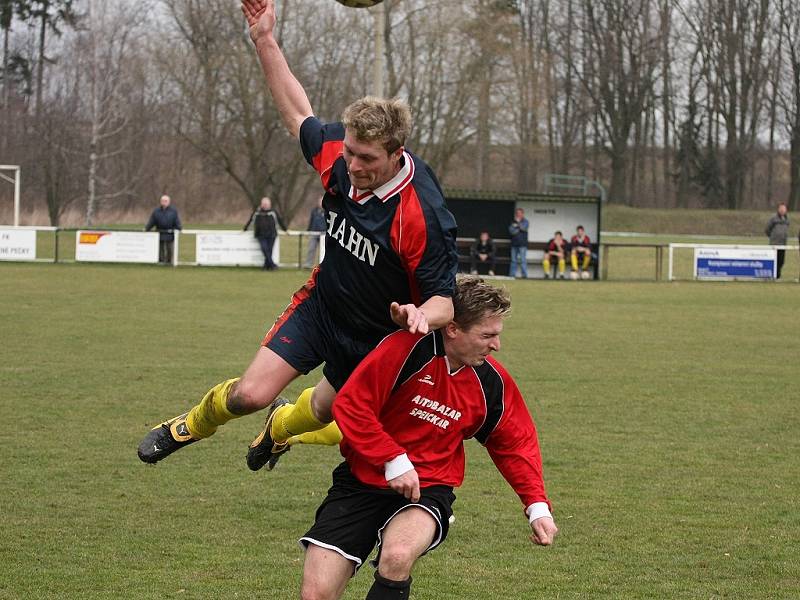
{"x": 667, "y": 413}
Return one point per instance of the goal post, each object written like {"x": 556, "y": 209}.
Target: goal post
{"x": 14, "y": 179}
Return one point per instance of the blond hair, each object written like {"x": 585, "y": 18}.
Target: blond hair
{"x": 385, "y": 120}
{"x": 474, "y": 300}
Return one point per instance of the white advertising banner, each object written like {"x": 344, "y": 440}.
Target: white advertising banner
{"x": 548, "y": 217}
{"x": 231, "y": 248}
{"x": 116, "y": 246}
{"x": 735, "y": 263}
{"x": 17, "y": 244}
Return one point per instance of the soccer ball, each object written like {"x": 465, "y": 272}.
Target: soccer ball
{"x": 573, "y": 275}
{"x": 359, "y": 3}
{"x": 585, "y": 275}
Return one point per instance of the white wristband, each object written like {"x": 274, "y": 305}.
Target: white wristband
{"x": 397, "y": 466}
{"x": 537, "y": 510}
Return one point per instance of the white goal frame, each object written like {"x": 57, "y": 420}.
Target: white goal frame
{"x": 16, "y": 182}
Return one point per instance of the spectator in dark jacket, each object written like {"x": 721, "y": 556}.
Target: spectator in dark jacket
{"x": 518, "y": 230}
{"x": 265, "y": 226}
{"x": 778, "y": 232}
{"x": 482, "y": 252}
{"x": 317, "y": 223}
{"x": 166, "y": 220}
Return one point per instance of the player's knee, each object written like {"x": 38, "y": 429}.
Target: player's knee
{"x": 321, "y": 404}
{"x": 315, "y": 590}
{"x": 396, "y": 561}
{"x": 247, "y": 397}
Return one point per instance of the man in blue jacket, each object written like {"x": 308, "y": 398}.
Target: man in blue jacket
{"x": 166, "y": 220}
{"x": 518, "y": 230}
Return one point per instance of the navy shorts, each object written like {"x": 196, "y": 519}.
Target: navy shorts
{"x": 305, "y": 336}
{"x": 352, "y": 518}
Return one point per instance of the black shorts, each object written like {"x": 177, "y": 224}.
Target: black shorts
{"x": 305, "y": 336}
{"x": 351, "y": 519}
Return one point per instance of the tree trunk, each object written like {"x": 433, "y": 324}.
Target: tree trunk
{"x": 91, "y": 201}
{"x": 6, "y": 85}
{"x": 40, "y": 66}
{"x": 794, "y": 165}
{"x": 619, "y": 171}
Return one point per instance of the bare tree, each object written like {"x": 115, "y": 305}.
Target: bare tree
{"x": 789, "y": 93}
{"x": 113, "y": 90}
{"x": 625, "y": 57}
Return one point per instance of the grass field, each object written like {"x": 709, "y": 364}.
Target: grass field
{"x": 667, "y": 413}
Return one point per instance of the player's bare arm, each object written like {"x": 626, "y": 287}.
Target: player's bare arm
{"x": 434, "y": 313}
{"x": 289, "y": 96}
{"x": 544, "y": 530}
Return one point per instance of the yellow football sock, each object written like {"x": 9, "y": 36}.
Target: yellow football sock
{"x": 203, "y": 420}
{"x": 562, "y": 266}
{"x": 330, "y": 435}
{"x": 586, "y": 260}
{"x": 294, "y": 419}
{"x": 546, "y": 266}
{"x": 574, "y": 261}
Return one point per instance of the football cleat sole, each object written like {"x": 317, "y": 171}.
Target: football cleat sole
{"x": 263, "y": 449}
{"x": 165, "y": 439}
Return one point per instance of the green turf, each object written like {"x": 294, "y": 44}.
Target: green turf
{"x": 668, "y": 417}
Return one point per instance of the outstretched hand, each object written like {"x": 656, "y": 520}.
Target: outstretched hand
{"x": 544, "y": 530}
{"x": 260, "y": 15}
{"x": 409, "y": 317}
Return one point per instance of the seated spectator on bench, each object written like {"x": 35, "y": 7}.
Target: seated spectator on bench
{"x": 482, "y": 252}
{"x": 580, "y": 254}
{"x": 556, "y": 249}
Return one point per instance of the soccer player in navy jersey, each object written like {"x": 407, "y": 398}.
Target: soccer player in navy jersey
{"x": 390, "y": 261}
{"x": 405, "y": 413}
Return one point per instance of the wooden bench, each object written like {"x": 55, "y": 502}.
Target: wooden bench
{"x": 503, "y": 257}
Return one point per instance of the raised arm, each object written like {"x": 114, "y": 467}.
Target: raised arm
{"x": 289, "y": 96}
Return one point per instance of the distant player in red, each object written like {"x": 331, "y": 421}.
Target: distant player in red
{"x": 580, "y": 254}
{"x": 556, "y": 249}
{"x": 405, "y": 413}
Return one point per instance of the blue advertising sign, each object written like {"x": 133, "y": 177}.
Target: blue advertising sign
{"x": 735, "y": 263}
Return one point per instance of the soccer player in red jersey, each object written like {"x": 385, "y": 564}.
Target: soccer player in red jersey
{"x": 580, "y": 253}
{"x": 556, "y": 249}
{"x": 405, "y": 413}
{"x": 390, "y": 261}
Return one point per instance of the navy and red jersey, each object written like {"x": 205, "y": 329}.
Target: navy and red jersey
{"x": 403, "y": 399}
{"x": 392, "y": 244}
{"x": 577, "y": 242}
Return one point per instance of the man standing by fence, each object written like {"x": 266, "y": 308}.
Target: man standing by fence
{"x": 166, "y": 220}
{"x": 778, "y": 232}
{"x": 518, "y": 230}
{"x": 317, "y": 223}
{"x": 265, "y": 227}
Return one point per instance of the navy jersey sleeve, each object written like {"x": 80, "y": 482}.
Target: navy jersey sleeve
{"x": 424, "y": 236}
{"x": 436, "y": 273}
{"x": 322, "y": 146}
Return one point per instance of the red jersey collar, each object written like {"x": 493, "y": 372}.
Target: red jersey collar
{"x": 391, "y": 187}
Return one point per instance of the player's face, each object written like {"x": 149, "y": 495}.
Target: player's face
{"x": 472, "y": 346}
{"x": 368, "y": 163}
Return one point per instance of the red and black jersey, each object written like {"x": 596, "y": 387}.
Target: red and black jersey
{"x": 403, "y": 398}
{"x": 576, "y": 242}
{"x": 395, "y": 243}
{"x": 552, "y": 245}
